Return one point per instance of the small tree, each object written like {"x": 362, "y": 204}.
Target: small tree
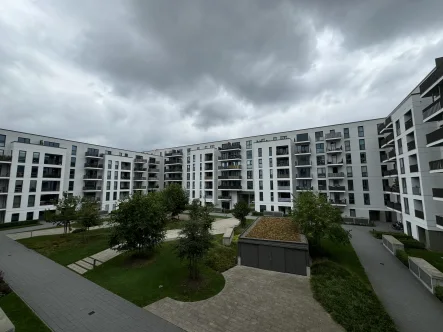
{"x": 139, "y": 223}
{"x": 317, "y": 219}
{"x": 176, "y": 199}
{"x": 195, "y": 238}
{"x": 66, "y": 211}
{"x": 89, "y": 214}
{"x": 240, "y": 211}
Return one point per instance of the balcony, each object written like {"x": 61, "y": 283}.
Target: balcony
{"x": 439, "y": 220}
{"x": 93, "y": 165}
{"x": 434, "y": 112}
{"x": 174, "y": 161}
{"x": 139, "y": 187}
{"x": 283, "y": 164}
{"x": 337, "y": 188}
{"x": 393, "y": 206}
{"x": 230, "y": 146}
{"x": 304, "y": 176}
{"x": 229, "y": 177}
{"x": 336, "y": 175}
{"x": 225, "y": 197}
{"x": 153, "y": 178}
{"x": 124, "y": 177}
{"x": 4, "y": 190}
{"x": 338, "y": 202}
{"x": 303, "y": 163}
{"x": 153, "y": 162}
{"x": 234, "y": 156}
{"x": 174, "y": 153}
{"x": 302, "y": 150}
{"x": 139, "y": 178}
{"x": 92, "y": 154}
{"x": 436, "y": 166}
{"x": 419, "y": 214}
{"x": 304, "y": 188}
{"x": 322, "y": 188}
{"x": 173, "y": 170}
{"x": 140, "y": 169}
{"x": 53, "y": 160}
{"x": 335, "y": 162}
{"x": 282, "y": 152}
{"x": 387, "y": 125}
{"x": 153, "y": 170}
{"x": 283, "y": 175}
{"x": 283, "y": 187}
{"x": 437, "y": 194}
{"x": 416, "y": 191}
{"x": 413, "y": 168}
{"x": 390, "y": 172}
{"x": 334, "y": 149}
{"x": 140, "y": 161}
{"x": 380, "y": 128}
{"x": 435, "y": 138}
{"x": 392, "y": 154}
{"x": 5, "y": 159}
{"x": 436, "y": 76}
{"x": 408, "y": 124}
{"x": 302, "y": 139}
{"x": 332, "y": 136}
{"x": 321, "y": 175}
{"x": 411, "y": 145}
{"x": 391, "y": 189}
{"x": 389, "y": 139}
{"x": 92, "y": 188}
{"x": 232, "y": 186}
{"x": 92, "y": 177}
{"x": 174, "y": 178}
{"x": 284, "y": 199}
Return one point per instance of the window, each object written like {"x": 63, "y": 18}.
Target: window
{"x": 249, "y": 174}
{"x": 20, "y": 171}
{"x": 36, "y": 157}
{"x": 18, "y": 186}
{"x": 364, "y": 171}
{"x": 259, "y": 152}
{"x": 109, "y": 175}
{"x": 349, "y": 171}
{"x": 321, "y": 172}
{"x": 17, "y": 202}
{"x": 51, "y": 144}
{"x": 272, "y": 208}
{"x": 248, "y": 164}
{"x": 114, "y": 196}
{"x": 29, "y": 215}
{"x": 262, "y": 208}
{"x": 260, "y": 185}
{"x": 352, "y": 212}
{"x": 115, "y": 185}
{"x": 272, "y": 196}
{"x": 261, "y": 196}
{"x": 318, "y": 136}
{"x": 271, "y": 174}
{"x": 188, "y": 185}
{"x": 260, "y": 174}
{"x": 109, "y": 163}
{"x": 108, "y": 196}
{"x": 71, "y": 186}
{"x": 116, "y": 175}
{"x": 116, "y": 164}
{"x": 15, "y": 217}
{"x": 31, "y": 200}
{"x": 366, "y": 199}
{"x": 24, "y": 140}
{"x": 270, "y": 150}
{"x": 270, "y": 162}
{"x": 72, "y": 173}
{"x": 361, "y": 131}
{"x": 400, "y": 146}
{"x": 320, "y": 147}
{"x": 348, "y": 158}
{"x": 33, "y": 186}
{"x": 193, "y": 167}
{"x": 397, "y": 127}
{"x": 22, "y": 156}
{"x": 402, "y": 166}
{"x": 74, "y": 150}
{"x": 2, "y": 140}
{"x": 406, "y": 201}
{"x": 362, "y": 157}
{"x": 188, "y": 176}
{"x": 404, "y": 186}
{"x": 248, "y": 144}
{"x": 361, "y": 143}
{"x": 350, "y": 185}
{"x": 73, "y": 160}
{"x": 188, "y": 168}
{"x": 320, "y": 160}
{"x": 347, "y": 145}
{"x": 365, "y": 184}
{"x": 283, "y": 137}
{"x": 346, "y": 132}
{"x": 34, "y": 172}
{"x": 271, "y": 185}
{"x": 249, "y": 154}
{"x": 250, "y": 185}
{"x": 351, "y": 198}
{"x": 260, "y": 164}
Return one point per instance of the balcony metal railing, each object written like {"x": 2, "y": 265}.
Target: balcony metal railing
{"x": 153, "y": 170}
{"x": 321, "y": 162}
{"x": 321, "y": 175}
{"x": 388, "y": 121}
{"x": 90, "y": 165}
{"x": 284, "y": 199}
{"x": 93, "y": 154}
{"x": 335, "y": 149}
{"x": 335, "y": 162}
{"x": 337, "y": 188}
{"x": 392, "y": 205}
{"x": 5, "y": 158}
{"x": 230, "y": 167}
{"x": 140, "y": 160}
{"x": 173, "y": 161}
{"x": 333, "y": 136}
{"x": 389, "y": 138}
{"x": 138, "y": 169}
{"x": 322, "y": 187}
{"x": 92, "y": 177}
{"x": 336, "y": 175}
{"x": 413, "y": 168}
{"x": 390, "y": 172}
{"x": 139, "y": 187}
{"x": 338, "y": 201}
{"x": 230, "y": 177}
{"x": 433, "y": 108}
{"x": 230, "y": 146}
{"x": 392, "y": 189}
{"x": 93, "y": 188}
{"x": 225, "y": 186}
{"x": 411, "y": 145}
{"x": 282, "y": 152}
{"x": 304, "y": 176}
{"x": 437, "y": 192}
{"x": 436, "y": 165}
{"x": 174, "y": 153}
{"x": 435, "y": 136}
{"x": 303, "y": 163}
{"x": 224, "y": 197}
{"x": 139, "y": 178}
{"x": 153, "y": 161}
{"x": 380, "y": 128}
{"x": 419, "y": 214}
{"x": 283, "y": 187}
{"x": 408, "y": 124}
{"x": 230, "y": 156}
{"x": 300, "y": 150}
{"x": 283, "y": 164}
{"x": 304, "y": 188}
{"x": 283, "y": 175}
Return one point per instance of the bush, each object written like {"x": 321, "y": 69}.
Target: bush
{"x": 438, "y": 291}
{"x": 4, "y": 287}
{"x": 398, "y": 236}
{"x": 411, "y": 243}
{"x": 403, "y": 257}
{"x": 78, "y": 230}
{"x": 221, "y": 258}
{"x": 257, "y": 214}
{"x": 18, "y": 223}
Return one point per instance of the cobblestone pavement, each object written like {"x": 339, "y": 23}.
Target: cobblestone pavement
{"x": 252, "y": 300}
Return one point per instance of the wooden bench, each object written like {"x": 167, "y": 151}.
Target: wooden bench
{"x": 228, "y": 236}
{"x": 426, "y": 273}
{"x": 392, "y": 244}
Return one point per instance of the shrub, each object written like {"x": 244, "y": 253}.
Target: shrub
{"x": 78, "y": 230}
{"x": 221, "y": 258}
{"x": 411, "y": 243}
{"x": 403, "y": 257}
{"x": 438, "y": 291}
{"x": 4, "y": 287}
{"x": 18, "y": 223}
{"x": 257, "y": 214}
{"x": 397, "y": 235}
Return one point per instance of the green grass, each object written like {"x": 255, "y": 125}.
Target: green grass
{"x": 69, "y": 248}
{"x": 432, "y": 257}
{"x": 143, "y": 282}
{"x": 21, "y": 315}
{"x": 174, "y": 224}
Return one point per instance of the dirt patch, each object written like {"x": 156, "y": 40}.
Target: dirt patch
{"x": 139, "y": 260}
{"x": 271, "y": 228}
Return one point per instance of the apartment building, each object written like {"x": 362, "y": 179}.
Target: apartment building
{"x": 36, "y": 170}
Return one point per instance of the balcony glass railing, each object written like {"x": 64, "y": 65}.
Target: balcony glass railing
{"x": 433, "y": 108}
{"x": 390, "y": 172}
{"x": 333, "y": 136}
{"x": 336, "y": 175}
{"x": 436, "y": 165}
{"x": 435, "y": 136}
{"x": 431, "y": 79}
{"x": 416, "y": 191}
{"x": 413, "y": 168}
{"x": 411, "y": 145}
{"x": 437, "y": 192}
{"x": 338, "y": 201}
{"x": 408, "y": 124}
{"x": 337, "y": 188}
{"x": 419, "y": 214}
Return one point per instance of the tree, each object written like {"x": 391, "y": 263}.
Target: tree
{"x": 139, "y": 223}
{"x": 89, "y": 213}
{"x": 195, "y": 238}
{"x": 317, "y": 219}
{"x": 66, "y": 211}
{"x": 240, "y": 211}
{"x": 175, "y": 198}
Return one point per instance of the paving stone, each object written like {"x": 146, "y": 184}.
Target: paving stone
{"x": 106, "y": 255}
{"x": 84, "y": 265}
{"x": 91, "y": 261}
{"x": 78, "y": 269}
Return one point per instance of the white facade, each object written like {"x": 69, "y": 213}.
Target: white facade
{"x": 35, "y": 170}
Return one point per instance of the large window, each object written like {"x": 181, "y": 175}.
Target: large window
{"x": 364, "y": 171}
{"x": 248, "y": 144}
{"x": 404, "y": 186}
{"x": 270, "y": 151}
{"x": 260, "y": 174}
{"x": 260, "y": 163}
{"x": 261, "y": 196}
{"x": 22, "y": 156}
{"x": 347, "y": 145}
{"x": 361, "y": 131}
{"x": 319, "y": 136}
{"x": 33, "y": 186}
{"x": 346, "y": 132}
{"x": 73, "y": 160}
{"x": 402, "y": 166}
{"x": 24, "y": 140}
{"x": 270, "y": 162}
{"x": 361, "y": 143}
{"x": 72, "y": 173}
{"x": 36, "y": 157}
{"x": 2, "y": 140}
{"x": 115, "y": 185}
{"x": 260, "y": 185}
{"x": 349, "y": 171}
{"x": 249, "y": 174}
{"x": 250, "y": 185}
{"x": 367, "y": 199}
{"x": 17, "y": 202}
{"x": 362, "y": 157}
{"x": 259, "y": 152}
{"x": 71, "y": 186}
{"x": 109, "y": 175}
{"x": 34, "y": 172}
{"x": 351, "y": 198}
{"x": 271, "y": 185}
{"x": 74, "y": 150}
{"x": 350, "y": 185}
{"x": 108, "y": 196}
{"x": 348, "y": 158}
{"x": 20, "y": 171}
{"x": 31, "y": 200}
{"x": 272, "y": 196}
{"x": 109, "y": 164}
{"x": 249, "y": 154}
{"x": 271, "y": 174}
{"x": 406, "y": 201}
{"x": 18, "y": 186}
{"x": 365, "y": 184}
{"x": 320, "y": 147}
{"x": 15, "y": 216}
{"x": 29, "y": 215}
{"x": 248, "y": 164}
{"x": 116, "y": 164}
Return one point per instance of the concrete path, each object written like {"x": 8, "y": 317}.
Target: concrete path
{"x": 67, "y": 302}
{"x": 252, "y": 300}
{"x": 409, "y": 304}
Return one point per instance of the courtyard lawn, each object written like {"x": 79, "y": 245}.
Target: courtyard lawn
{"x": 21, "y": 315}
{"x": 340, "y": 285}
{"x": 144, "y": 281}
{"x": 69, "y": 248}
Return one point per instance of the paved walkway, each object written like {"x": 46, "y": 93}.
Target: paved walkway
{"x": 410, "y": 305}
{"x": 252, "y": 300}
{"x": 67, "y": 302}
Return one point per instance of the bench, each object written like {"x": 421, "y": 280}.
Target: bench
{"x": 392, "y": 244}
{"x": 228, "y": 236}
{"x": 426, "y": 273}
{"x": 5, "y": 323}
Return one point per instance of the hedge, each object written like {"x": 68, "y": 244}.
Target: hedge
{"x": 438, "y": 291}
{"x": 403, "y": 257}
{"x": 412, "y": 243}
{"x": 18, "y": 223}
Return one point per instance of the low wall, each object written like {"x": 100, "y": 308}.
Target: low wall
{"x": 228, "y": 236}
{"x": 392, "y": 244}
{"x": 426, "y": 273}
{"x": 358, "y": 221}
{"x": 5, "y": 323}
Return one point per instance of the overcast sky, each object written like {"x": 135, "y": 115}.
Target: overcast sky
{"x": 147, "y": 74}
